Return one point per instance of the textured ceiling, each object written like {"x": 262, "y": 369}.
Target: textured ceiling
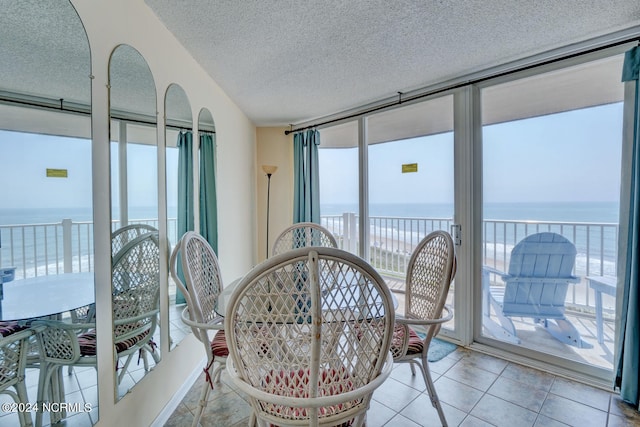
{"x": 288, "y": 62}
{"x": 44, "y": 51}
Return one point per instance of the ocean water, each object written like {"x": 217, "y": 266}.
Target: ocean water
{"x": 600, "y": 212}
{"x": 37, "y": 249}
{"x": 14, "y": 216}
{"x": 591, "y": 226}
{"x": 33, "y": 240}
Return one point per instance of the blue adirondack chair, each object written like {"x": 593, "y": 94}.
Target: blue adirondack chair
{"x": 540, "y": 271}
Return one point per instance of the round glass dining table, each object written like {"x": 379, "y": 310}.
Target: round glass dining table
{"x": 44, "y": 296}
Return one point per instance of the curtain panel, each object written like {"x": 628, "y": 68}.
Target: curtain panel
{"x": 185, "y": 195}
{"x": 627, "y": 349}
{"x": 306, "y": 197}
{"x": 208, "y": 203}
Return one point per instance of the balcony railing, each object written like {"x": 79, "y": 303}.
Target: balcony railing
{"x": 392, "y": 240}
{"x": 67, "y": 246}
{"x": 55, "y": 248}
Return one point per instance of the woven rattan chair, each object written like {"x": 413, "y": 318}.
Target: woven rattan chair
{"x": 119, "y": 238}
{"x": 136, "y": 298}
{"x": 135, "y": 304}
{"x": 309, "y": 332}
{"x": 203, "y": 286}
{"x": 303, "y": 234}
{"x": 124, "y": 235}
{"x": 14, "y": 342}
{"x": 430, "y": 271}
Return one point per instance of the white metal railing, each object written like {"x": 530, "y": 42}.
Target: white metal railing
{"x": 55, "y": 248}
{"x": 67, "y": 246}
{"x": 596, "y": 243}
{"x": 596, "y": 246}
{"x": 392, "y": 240}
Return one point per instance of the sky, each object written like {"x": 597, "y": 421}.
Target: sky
{"x": 572, "y": 156}
{"x": 26, "y": 157}
{"x": 569, "y": 157}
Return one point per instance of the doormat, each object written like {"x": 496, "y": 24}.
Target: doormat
{"x": 438, "y": 348}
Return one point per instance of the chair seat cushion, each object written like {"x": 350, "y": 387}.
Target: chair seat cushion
{"x": 296, "y": 384}
{"x": 88, "y": 342}
{"x": 416, "y": 344}
{"x": 8, "y": 328}
{"x": 219, "y": 349}
{"x": 219, "y": 344}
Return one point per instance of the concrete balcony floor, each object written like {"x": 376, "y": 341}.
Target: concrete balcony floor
{"x": 533, "y": 336}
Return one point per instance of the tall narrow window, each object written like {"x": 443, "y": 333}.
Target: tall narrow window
{"x": 410, "y": 153}
{"x": 339, "y": 190}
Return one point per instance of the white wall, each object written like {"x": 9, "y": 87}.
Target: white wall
{"x": 108, "y": 24}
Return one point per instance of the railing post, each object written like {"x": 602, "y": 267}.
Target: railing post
{"x": 66, "y": 245}
{"x": 353, "y": 238}
{"x": 345, "y": 231}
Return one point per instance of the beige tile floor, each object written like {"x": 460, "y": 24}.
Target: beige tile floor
{"x": 81, "y": 387}
{"x": 475, "y": 389}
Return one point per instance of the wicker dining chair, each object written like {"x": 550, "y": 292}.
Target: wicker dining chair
{"x": 124, "y": 235}
{"x": 119, "y": 238}
{"x": 430, "y": 271}
{"x": 201, "y": 290}
{"x": 135, "y": 305}
{"x": 14, "y": 344}
{"x": 309, "y": 332}
{"x": 135, "y": 288}
{"x": 303, "y": 234}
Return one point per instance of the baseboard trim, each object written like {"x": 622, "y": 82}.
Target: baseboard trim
{"x": 178, "y": 397}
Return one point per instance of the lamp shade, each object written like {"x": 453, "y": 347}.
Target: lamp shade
{"x": 269, "y": 169}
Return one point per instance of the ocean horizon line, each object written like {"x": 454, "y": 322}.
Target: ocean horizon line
{"x": 582, "y": 211}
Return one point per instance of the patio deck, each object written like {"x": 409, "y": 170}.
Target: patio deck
{"x": 534, "y": 337}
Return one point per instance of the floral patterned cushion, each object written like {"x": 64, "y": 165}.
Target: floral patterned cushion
{"x": 295, "y": 384}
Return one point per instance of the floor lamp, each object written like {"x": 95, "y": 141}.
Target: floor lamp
{"x": 269, "y": 170}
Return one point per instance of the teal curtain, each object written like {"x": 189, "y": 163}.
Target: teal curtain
{"x": 306, "y": 197}
{"x": 208, "y": 205}
{"x": 298, "y": 177}
{"x": 313, "y": 142}
{"x": 185, "y": 194}
{"x": 627, "y": 372}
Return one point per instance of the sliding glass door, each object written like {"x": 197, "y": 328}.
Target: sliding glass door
{"x": 401, "y": 162}
{"x": 533, "y": 162}
{"x": 551, "y": 192}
